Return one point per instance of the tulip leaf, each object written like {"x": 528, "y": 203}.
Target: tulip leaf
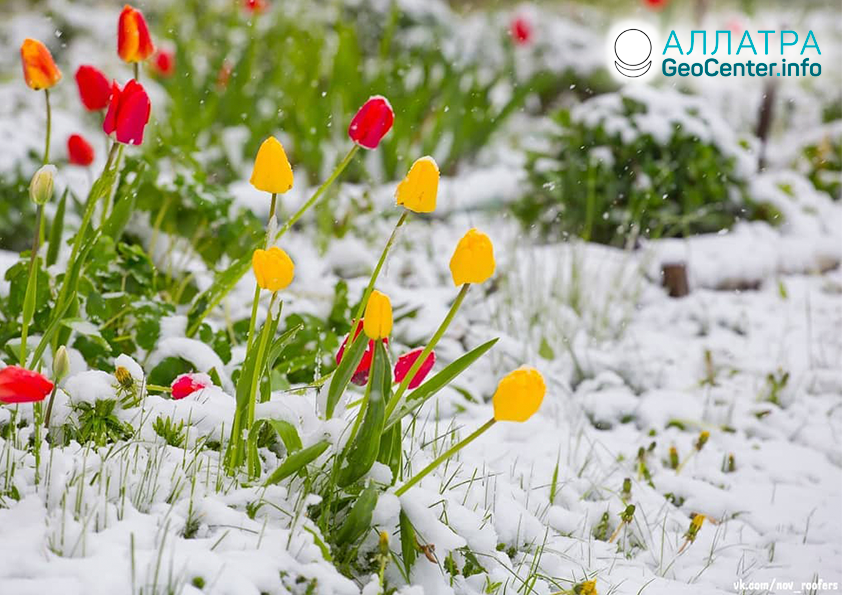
{"x": 287, "y": 432}
{"x": 390, "y": 450}
{"x": 222, "y": 284}
{"x": 427, "y": 390}
{"x": 297, "y": 461}
{"x": 344, "y": 372}
{"x": 364, "y": 450}
{"x": 409, "y": 549}
{"x": 56, "y": 230}
{"x": 358, "y": 520}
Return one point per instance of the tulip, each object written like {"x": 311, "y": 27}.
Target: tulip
{"x": 519, "y": 395}
{"x": 586, "y": 588}
{"x": 39, "y": 68}
{"x": 128, "y": 113}
{"x": 164, "y": 63}
{"x": 473, "y": 259}
{"x": 273, "y": 268}
{"x": 377, "y": 323}
{"x": 61, "y": 363}
{"x": 133, "y": 41}
{"x": 41, "y": 186}
{"x": 79, "y": 151}
{"x": 18, "y": 385}
{"x": 94, "y": 88}
{"x": 371, "y": 123}
{"x": 187, "y": 384}
{"x": 521, "y": 31}
{"x": 255, "y": 6}
{"x": 417, "y": 192}
{"x": 272, "y": 171}
{"x": 405, "y": 362}
{"x": 656, "y": 4}
{"x": 360, "y": 377}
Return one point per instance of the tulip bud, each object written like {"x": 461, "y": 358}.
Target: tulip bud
{"x": 519, "y": 395}
{"x": 255, "y": 6}
{"x": 521, "y": 31}
{"x": 405, "y": 363}
{"x": 94, "y": 88}
{"x": 473, "y": 259}
{"x": 61, "y": 363}
{"x": 79, "y": 151}
{"x": 695, "y": 525}
{"x": 371, "y": 123}
{"x": 273, "y": 268}
{"x": 585, "y": 588}
{"x": 186, "y": 384}
{"x": 377, "y": 323}
{"x": 133, "y": 41}
{"x": 272, "y": 171}
{"x": 128, "y": 113}
{"x": 702, "y": 440}
{"x": 39, "y": 68}
{"x": 18, "y": 385}
{"x": 417, "y": 192}
{"x": 164, "y": 63}
{"x": 41, "y": 186}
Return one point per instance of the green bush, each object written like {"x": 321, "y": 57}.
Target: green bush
{"x": 641, "y": 162}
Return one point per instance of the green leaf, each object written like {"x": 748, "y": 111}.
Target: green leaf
{"x": 409, "y": 549}
{"x": 56, "y": 230}
{"x": 86, "y": 329}
{"x": 358, "y": 520}
{"x": 320, "y": 544}
{"x": 345, "y": 371}
{"x": 297, "y": 461}
{"x": 427, "y": 390}
{"x": 363, "y": 452}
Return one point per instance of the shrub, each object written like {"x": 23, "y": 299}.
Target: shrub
{"x": 639, "y": 162}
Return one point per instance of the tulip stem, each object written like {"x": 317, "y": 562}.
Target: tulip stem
{"x": 443, "y": 457}
{"x": 137, "y": 71}
{"x": 395, "y": 401}
{"x": 49, "y": 126}
{"x": 31, "y": 285}
{"x": 50, "y": 405}
{"x": 321, "y": 190}
{"x": 256, "y": 299}
{"x": 379, "y": 266}
{"x": 364, "y": 405}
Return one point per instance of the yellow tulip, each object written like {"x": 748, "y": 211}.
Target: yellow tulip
{"x": 272, "y": 171}
{"x": 377, "y": 323}
{"x": 273, "y": 268}
{"x": 473, "y": 259}
{"x": 519, "y": 395}
{"x": 417, "y": 192}
{"x": 587, "y": 588}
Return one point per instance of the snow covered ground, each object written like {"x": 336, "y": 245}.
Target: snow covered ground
{"x": 631, "y": 374}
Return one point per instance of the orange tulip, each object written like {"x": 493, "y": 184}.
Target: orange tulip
{"x": 39, "y": 69}
{"x": 133, "y": 41}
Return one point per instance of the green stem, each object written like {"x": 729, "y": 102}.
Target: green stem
{"x": 442, "y": 458}
{"x": 36, "y": 412}
{"x": 395, "y": 401}
{"x": 256, "y": 298}
{"x": 321, "y": 190}
{"x": 49, "y": 127}
{"x": 137, "y": 71}
{"x": 30, "y": 285}
{"x": 273, "y": 205}
{"x": 379, "y": 266}
{"x": 50, "y": 406}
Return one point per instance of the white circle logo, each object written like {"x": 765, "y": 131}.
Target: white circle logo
{"x": 633, "y": 49}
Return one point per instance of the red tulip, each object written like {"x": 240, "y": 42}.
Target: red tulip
{"x": 18, "y": 385}
{"x": 127, "y": 113}
{"x": 79, "y": 151}
{"x": 405, "y": 362}
{"x": 360, "y": 376}
{"x": 656, "y": 4}
{"x": 164, "y": 63}
{"x": 255, "y": 6}
{"x": 372, "y": 122}
{"x": 521, "y": 31}
{"x": 187, "y": 384}
{"x": 94, "y": 88}
{"x": 133, "y": 41}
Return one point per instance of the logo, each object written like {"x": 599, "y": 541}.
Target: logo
{"x": 632, "y": 49}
